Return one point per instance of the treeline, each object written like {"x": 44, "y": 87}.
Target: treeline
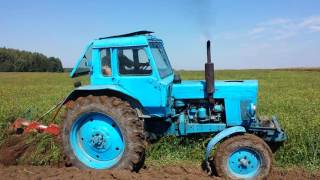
{"x": 13, "y": 60}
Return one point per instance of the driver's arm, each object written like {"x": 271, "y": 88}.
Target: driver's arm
{"x": 106, "y": 70}
{"x": 125, "y": 61}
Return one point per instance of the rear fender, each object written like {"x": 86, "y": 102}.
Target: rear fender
{"x": 108, "y": 90}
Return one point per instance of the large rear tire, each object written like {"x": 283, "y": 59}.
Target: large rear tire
{"x": 101, "y": 132}
{"x": 243, "y": 157}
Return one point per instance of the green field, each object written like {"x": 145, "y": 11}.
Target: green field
{"x": 293, "y": 96}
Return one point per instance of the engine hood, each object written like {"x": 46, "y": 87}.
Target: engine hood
{"x": 195, "y": 89}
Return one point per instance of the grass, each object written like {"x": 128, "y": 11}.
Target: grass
{"x": 43, "y": 150}
{"x": 293, "y": 96}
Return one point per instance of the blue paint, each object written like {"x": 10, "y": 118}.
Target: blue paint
{"x": 195, "y": 89}
{"x": 96, "y": 140}
{"x": 221, "y": 135}
{"x": 232, "y": 93}
{"x": 193, "y": 128}
{"x": 244, "y": 163}
{"x": 202, "y": 113}
{"x": 185, "y": 128}
{"x": 179, "y": 104}
{"x": 218, "y": 108}
{"x": 182, "y": 126}
{"x": 122, "y": 42}
{"x": 192, "y": 113}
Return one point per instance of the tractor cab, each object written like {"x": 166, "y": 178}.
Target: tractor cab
{"x": 135, "y": 64}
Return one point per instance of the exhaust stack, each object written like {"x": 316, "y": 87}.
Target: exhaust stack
{"x": 209, "y": 74}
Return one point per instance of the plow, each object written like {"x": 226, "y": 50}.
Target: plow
{"x": 134, "y": 96}
{"x": 24, "y": 126}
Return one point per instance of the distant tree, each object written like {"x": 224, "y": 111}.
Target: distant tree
{"x": 55, "y": 65}
{"x": 6, "y": 67}
{"x": 24, "y": 61}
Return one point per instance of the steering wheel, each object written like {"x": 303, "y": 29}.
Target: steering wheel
{"x": 144, "y": 66}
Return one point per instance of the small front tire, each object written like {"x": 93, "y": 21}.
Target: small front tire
{"x": 243, "y": 157}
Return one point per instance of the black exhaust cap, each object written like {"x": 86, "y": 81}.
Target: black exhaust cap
{"x": 209, "y": 74}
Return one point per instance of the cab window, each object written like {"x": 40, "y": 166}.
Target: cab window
{"x": 161, "y": 59}
{"x": 105, "y": 57}
{"x": 133, "y": 61}
{"x": 84, "y": 65}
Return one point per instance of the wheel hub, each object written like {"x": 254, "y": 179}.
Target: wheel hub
{"x": 244, "y": 162}
{"x": 98, "y": 141}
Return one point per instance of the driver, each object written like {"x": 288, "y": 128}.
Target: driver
{"x": 106, "y": 64}
{"x": 106, "y": 70}
{"x": 124, "y": 62}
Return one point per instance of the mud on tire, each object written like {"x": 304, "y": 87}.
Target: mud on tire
{"x": 246, "y": 141}
{"x": 125, "y": 117}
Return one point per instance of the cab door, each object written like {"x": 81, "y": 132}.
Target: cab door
{"x": 137, "y": 74}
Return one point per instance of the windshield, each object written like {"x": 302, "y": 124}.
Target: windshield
{"x": 83, "y": 66}
{"x": 161, "y": 59}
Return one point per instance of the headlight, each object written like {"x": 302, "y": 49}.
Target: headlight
{"x": 252, "y": 109}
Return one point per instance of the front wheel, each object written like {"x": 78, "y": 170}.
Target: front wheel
{"x": 103, "y": 132}
{"x": 243, "y": 157}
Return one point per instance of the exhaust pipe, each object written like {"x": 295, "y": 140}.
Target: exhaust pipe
{"x": 209, "y": 74}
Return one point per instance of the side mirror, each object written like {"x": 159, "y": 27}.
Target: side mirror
{"x": 77, "y": 84}
{"x": 176, "y": 78}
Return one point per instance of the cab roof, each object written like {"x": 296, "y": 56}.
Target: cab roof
{"x": 144, "y": 32}
{"x": 138, "y": 38}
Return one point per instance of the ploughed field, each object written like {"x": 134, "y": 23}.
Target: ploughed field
{"x": 292, "y": 95}
{"x": 177, "y": 172}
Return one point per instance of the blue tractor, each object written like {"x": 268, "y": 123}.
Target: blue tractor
{"x": 134, "y": 95}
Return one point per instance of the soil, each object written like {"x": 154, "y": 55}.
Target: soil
{"x": 169, "y": 172}
{"x": 16, "y": 146}
{"x": 12, "y": 149}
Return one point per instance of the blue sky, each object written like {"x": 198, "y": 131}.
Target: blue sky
{"x": 245, "y": 34}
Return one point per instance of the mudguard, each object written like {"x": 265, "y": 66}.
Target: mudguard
{"x": 90, "y": 88}
{"x": 221, "y": 135}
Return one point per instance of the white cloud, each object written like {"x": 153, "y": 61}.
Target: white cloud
{"x": 283, "y": 28}
{"x": 257, "y": 30}
{"x": 277, "y": 21}
{"x": 312, "y": 23}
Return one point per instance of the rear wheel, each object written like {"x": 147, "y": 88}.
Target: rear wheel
{"x": 103, "y": 133}
{"x": 243, "y": 157}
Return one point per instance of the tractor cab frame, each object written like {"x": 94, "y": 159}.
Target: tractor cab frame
{"x": 138, "y": 66}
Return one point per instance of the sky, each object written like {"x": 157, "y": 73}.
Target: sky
{"x": 245, "y": 34}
